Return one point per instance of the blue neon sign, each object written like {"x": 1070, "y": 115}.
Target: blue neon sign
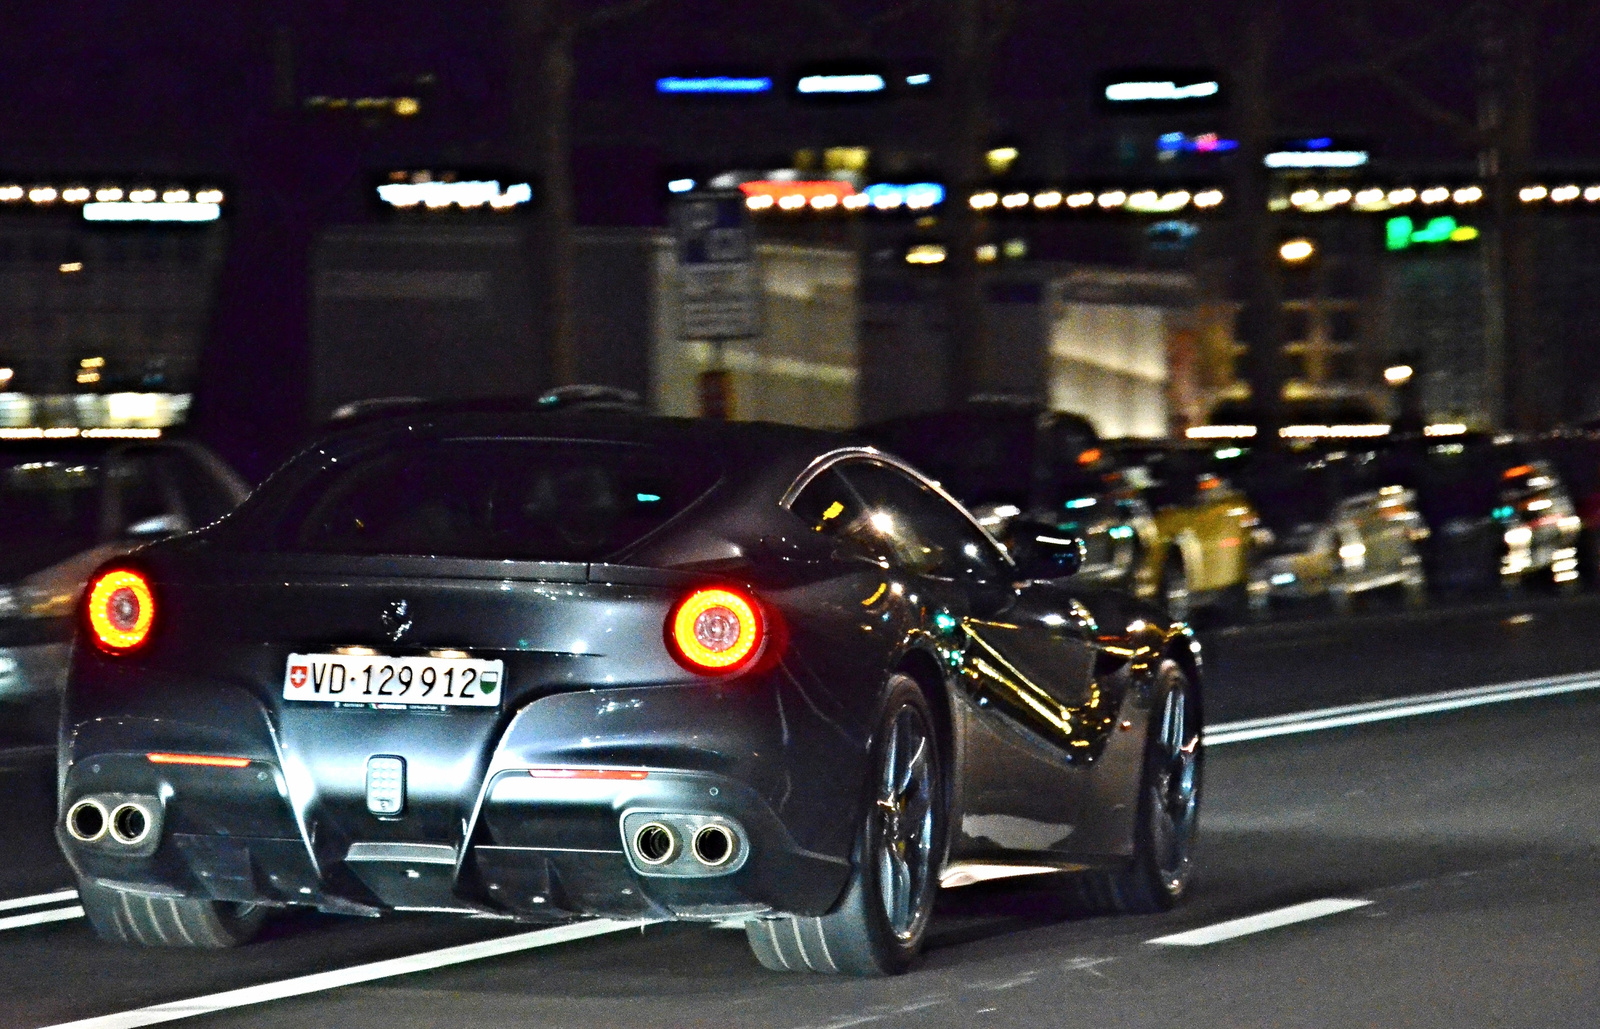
{"x": 713, "y": 84}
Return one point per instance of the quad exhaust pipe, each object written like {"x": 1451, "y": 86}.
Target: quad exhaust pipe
{"x": 88, "y": 821}
{"x": 130, "y": 823}
{"x": 684, "y": 844}
{"x": 655, "y": 843}
{"x": 713, "y": 845}
{"x": 124, "y": 820}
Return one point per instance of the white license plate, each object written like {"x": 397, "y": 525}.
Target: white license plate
{"x": 396, "y": 681}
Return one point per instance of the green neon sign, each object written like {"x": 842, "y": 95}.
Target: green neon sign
{"x": 1401, "y": 232}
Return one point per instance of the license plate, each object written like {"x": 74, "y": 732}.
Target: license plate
{"x": 393, "y": 681}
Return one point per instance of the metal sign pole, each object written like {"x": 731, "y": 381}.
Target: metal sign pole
{"x": 719, "y": 290}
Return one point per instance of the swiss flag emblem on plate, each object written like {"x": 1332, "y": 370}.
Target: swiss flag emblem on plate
{"x": 297, "y": 676}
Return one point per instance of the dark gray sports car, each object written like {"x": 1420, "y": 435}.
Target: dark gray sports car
{"x": 553, "y": 664}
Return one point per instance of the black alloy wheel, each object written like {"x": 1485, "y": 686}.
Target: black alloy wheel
{"x": 879, "y": 926}
{"x": 1159, "y": 874}
{"x": 904, "y": 810}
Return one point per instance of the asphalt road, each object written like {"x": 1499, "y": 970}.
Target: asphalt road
{"x": 1470, "y": 839}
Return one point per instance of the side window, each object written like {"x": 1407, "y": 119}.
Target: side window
{"x": 831, "y": 506}
{"x": 924, "y": 532}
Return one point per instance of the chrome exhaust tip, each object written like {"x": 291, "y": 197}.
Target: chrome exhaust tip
{"x": 130, "y": 824}
{"x": 87, "y": 820}
{"x": 714, "y": 845}
{"x": 655, "y": 843}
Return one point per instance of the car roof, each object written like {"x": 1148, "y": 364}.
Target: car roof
{"x": 738, "y": 444}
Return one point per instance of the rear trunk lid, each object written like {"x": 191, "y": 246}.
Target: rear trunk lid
{"x": 235, "y": 621}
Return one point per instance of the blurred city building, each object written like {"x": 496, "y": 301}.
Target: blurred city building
{"x": 105, "y": 301}
{"x": 1108, "y": 241}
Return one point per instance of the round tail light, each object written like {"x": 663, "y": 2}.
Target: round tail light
{"x": 715, "y": 630}
{"x": 121, "y": 610}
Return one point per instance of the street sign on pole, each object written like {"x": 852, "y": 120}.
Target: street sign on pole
{"x": 718, "y": 289}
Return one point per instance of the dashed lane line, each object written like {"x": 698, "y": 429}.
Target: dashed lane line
{"x": 1258, "y": 923}
{"x": 1320, "y": 719}
{"x": 41, "y": 917}
{"x": 39, "y": 899}
{"x": 332, "y": 980}
{"x": 26, "y": 752}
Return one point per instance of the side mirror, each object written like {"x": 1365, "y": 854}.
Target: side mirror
{"x": 161, "y": 525}
{"x": 1041, "y": 552}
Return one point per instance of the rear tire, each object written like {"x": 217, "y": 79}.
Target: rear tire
{"x": 879, "y": 926}
{"x": 168, "y": 921}
{"x": 1159, "y": 874}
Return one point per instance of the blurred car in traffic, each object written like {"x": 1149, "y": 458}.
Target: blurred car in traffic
{"x": 1576, "y": 456}
{"x": 538, "y": 666}
{"x": 67, "y": 506}
{"x": 1028, "y": 473}
{"x": 1204, "y": 528}
{"x": 1335, "y": 528}
{"x": 1499, "y": 513}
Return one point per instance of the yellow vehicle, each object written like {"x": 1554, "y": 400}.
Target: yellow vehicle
{"x": 1196, "y": 544}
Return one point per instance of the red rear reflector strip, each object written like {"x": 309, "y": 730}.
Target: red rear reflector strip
{"x": 208, "y": 760}
{"x": 588, "y": 773}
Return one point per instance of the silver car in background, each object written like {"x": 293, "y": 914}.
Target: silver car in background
{"x": 1336, "y": 531}
{"x": 66, "y": 506}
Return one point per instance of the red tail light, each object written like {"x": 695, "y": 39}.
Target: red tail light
{"x": 715, "y": 630}
{"x": 121, "y": 610}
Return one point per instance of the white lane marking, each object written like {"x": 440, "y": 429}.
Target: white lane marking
{"x": 881, "y": 1012}
{"x": 38, "y": 900}
{"x": 319, "y": 981}
{"x": 1259, "y": 923}
{"x": 26, "y": 751}
{"x": 1401, "y": 707}
{"x": 40, "y": 918}
{"x": 1087, "y": 965}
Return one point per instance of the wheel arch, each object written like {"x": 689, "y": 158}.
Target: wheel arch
{"x": 924, "y": 670}
{"x": 1181, "y": 649}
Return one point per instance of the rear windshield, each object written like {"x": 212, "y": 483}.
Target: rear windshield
{"x": 499, "y": 499}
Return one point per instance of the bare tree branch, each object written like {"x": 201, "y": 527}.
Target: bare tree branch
{"x": 1210, "y": 35}
{"x": 1458, "y": 124}
{"x": 614, "y": 12}
{"x": 1572, "y": 45}
{"x": 895, "y": 13}
{"x": 857, "y": 33}
{"x": 1379, "y": 51}
{"x": 1002, "y": 16}
{"x": 1381, "y": 58}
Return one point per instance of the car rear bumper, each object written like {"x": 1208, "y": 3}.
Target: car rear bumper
{"x": 548, "y": 829}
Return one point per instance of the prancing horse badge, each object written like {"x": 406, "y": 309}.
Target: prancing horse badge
{"x": 396, "y": 620}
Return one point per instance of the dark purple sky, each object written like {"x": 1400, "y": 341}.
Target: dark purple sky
{"x": 189, "y": 86}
